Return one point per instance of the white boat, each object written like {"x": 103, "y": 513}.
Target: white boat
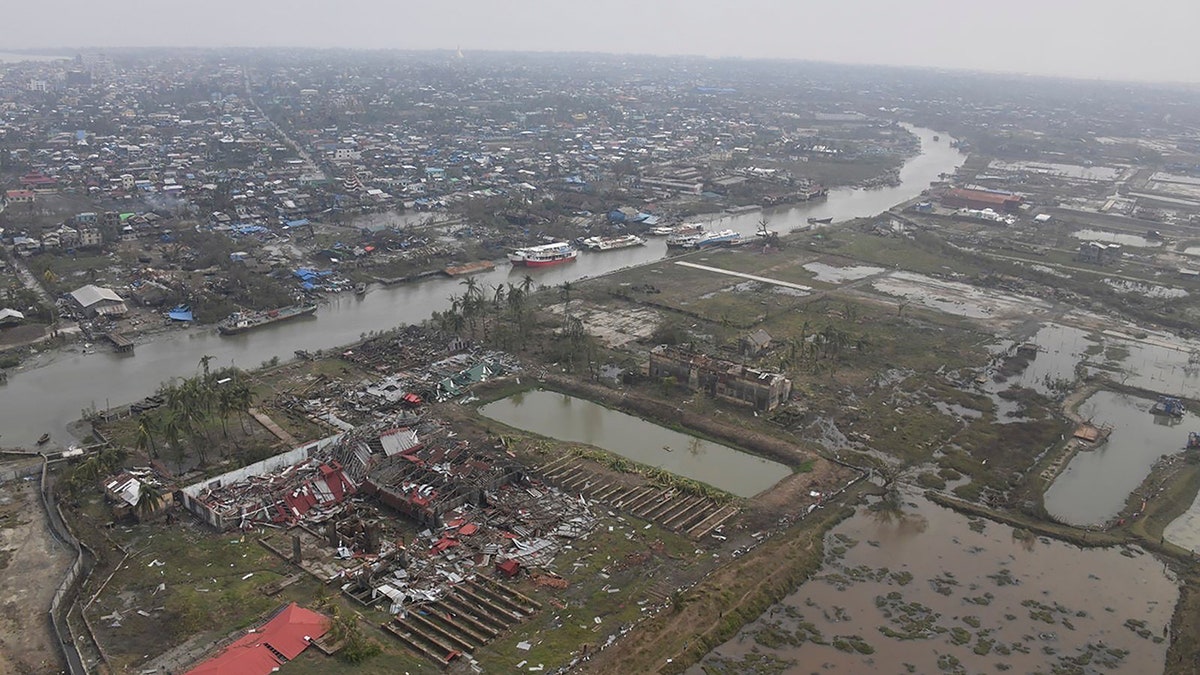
{"x": 545, "y": 254}
{"x": 666, "y": 231}
{"x": 722, "y": 238}
{"x": 684, "y": 240}
{"x": 611, "y": 243}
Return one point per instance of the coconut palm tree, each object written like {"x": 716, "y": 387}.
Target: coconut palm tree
{"x": 146, "y": 431}
{"x": 150, "y": 498}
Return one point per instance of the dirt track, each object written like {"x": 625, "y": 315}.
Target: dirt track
{"x": 32, "y": 563}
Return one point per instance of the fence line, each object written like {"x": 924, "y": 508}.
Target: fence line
{"x": 67, "y": 594}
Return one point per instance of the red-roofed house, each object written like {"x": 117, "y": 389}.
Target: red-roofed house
{"x": 278, "y": 641}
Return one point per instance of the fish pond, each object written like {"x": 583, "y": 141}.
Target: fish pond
{"x": 1094, "y": 486}
{"x": 577, "y": 420}
{"x": 929, "y": 590}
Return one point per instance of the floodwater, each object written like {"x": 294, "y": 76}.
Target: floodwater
{"x": 934, "y": 591}
{"x": 1115, "y": 238}
{"x": 1098, "y": 173}
{"x": 839, "y": 275}
{"x": 46, "y": 397}
{"x": 1094, "y": 486}
{"x": 956, "y": 298}
{"x": 567, "y": 418}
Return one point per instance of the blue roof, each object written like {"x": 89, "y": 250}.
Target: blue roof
{"x": 181, "y": 313}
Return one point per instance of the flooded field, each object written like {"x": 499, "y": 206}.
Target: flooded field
{"x": 1094, "y": 486}
{"x": 1115, "y": 238}
{"x": 934, "y": 591}
{"x": 838, "y": 275}
{"x": 955, "y": 298}
{"x": 1096, "y": 173}
{"x": 580, "y": 421}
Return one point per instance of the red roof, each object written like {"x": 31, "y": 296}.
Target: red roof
{"x": 981, "y": 196}
{"x": 255, "y": 653}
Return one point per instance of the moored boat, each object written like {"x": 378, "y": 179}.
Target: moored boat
{"x": 44, "y": 439}
{"x": 611, "y": 243}
{"x": 683, "y": 239}
{"x": 820, "y": 221}
{"x": 545, "y": 254}
{"x": 239, "y": 322}
{"x": 722, "y": 238}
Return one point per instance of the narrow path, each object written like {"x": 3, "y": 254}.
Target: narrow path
{"x": 743, "y": 275}
{"x": 270, "y": 425}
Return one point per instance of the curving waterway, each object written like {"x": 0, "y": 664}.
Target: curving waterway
{"x": 45, "y": 398}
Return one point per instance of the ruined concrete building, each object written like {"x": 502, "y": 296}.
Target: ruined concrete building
{"x": 721, "y": 379}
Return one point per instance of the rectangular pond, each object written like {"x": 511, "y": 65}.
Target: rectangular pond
{"x": 1096, "y": 483}
{"x": 567, "y": 418}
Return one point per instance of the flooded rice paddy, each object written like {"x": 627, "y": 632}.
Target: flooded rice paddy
{"x": 934, "y": 591}
{"x": 1094, "y": 486}
{"x": 577, "y": 420}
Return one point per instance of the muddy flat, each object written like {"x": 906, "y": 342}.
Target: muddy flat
{"x": 32, "y": 563}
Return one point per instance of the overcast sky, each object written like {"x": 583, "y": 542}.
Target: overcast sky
{"x": 1109, "y": 39}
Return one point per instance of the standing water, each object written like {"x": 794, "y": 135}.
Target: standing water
{"x": 933, "y": 591}
{"x": 573, "y": 419}
{"x": 1094, "y": 486}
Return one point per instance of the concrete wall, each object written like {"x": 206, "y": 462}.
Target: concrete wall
{"x": 191, "y": 493}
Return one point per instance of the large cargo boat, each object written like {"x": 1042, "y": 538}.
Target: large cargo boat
{"x": 240, "y": 322}
{"x": 545, "y": 254}
{"x": 611, "y": 243}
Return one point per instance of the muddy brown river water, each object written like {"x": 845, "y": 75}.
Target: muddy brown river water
{"x": 933, "y": 591}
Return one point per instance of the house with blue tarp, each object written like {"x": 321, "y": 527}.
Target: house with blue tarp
{"x": 181, "y": 313}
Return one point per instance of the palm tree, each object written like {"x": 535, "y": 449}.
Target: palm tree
{"x": 527, "y": 284}
{"x": 146, "y": 430}
{"x": 564, "y": 292}
{"x": 149, "y": 499}
{"x": 497, "y": 296}
{"x": 473, "y": 289}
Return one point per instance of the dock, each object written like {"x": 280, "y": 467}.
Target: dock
{"x": 122, "y": 343}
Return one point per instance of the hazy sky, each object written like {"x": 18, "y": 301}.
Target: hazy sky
{"x": 1110, "y": 39}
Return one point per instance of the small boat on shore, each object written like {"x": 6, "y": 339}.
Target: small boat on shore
{"x": 44, "y": 439}
{"x": 820, "y": 221}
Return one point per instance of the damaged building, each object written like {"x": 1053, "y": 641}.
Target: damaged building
{"x": 725, "y": 380}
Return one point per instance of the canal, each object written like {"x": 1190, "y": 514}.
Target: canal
{"x": 567, "y": 418}
{"x": 51, "y": 393}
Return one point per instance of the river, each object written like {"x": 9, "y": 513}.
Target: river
{"x": 45, "y": 398}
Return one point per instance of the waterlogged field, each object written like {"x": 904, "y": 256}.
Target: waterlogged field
{"x": 932, "y": 591}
